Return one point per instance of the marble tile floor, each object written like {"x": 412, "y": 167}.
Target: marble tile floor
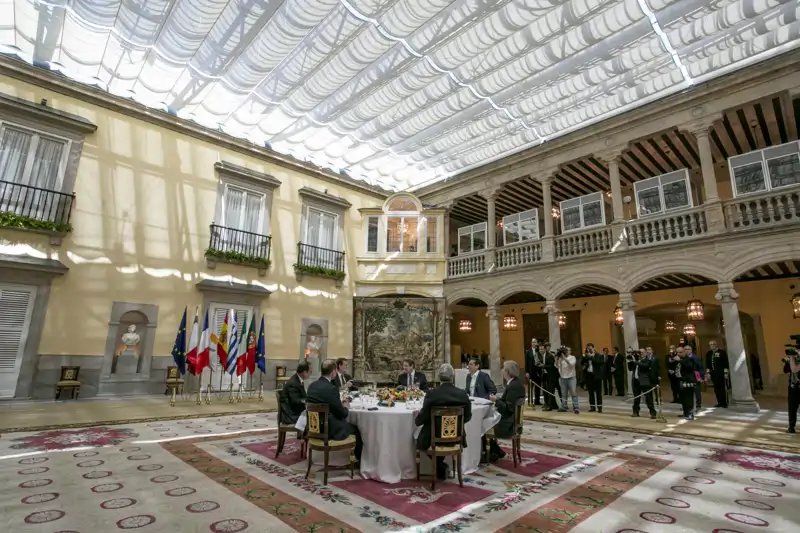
{"x": 219, "y": 474}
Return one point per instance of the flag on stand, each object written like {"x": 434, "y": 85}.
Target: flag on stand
{"x": 204, "y": 349}
{"x": 191, "y": 352}
{"x": 222, "y": 343}
{"x": 233, "y": 345}
{"x": 241, "y": 361}
{"x": 261, "y": 351}
{"x": 251, "y": 346}
{"x": 178, "y": 349}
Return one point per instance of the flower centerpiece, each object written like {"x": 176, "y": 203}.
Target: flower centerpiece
{"x": 395, "y": 395}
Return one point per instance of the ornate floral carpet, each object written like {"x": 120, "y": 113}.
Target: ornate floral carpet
{"x": 220, "y": 475}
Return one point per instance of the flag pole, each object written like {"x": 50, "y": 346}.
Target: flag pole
{"x": 239, "y": 396}
{"x": 261, "y": 387}
{"x": 208, "y": 389}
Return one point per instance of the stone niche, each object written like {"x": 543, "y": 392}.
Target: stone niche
{"x": 128, "y": 355}
{"x": 314, "y": 343}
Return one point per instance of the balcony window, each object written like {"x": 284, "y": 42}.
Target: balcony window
{"x": 372, "y": 234}
{"x": 472, "y": 238}
{"x": 767, "y": 169}
{"x": 662, "y": 194}
{"x": 521, "y": 227}
{"x": 583, "y": 212}
{"x": 402, "y": 234}
{"x": 321, "y": 247}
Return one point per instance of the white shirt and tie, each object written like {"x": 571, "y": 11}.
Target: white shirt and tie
{"x": 473, "y": 381}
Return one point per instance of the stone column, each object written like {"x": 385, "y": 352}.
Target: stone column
{"x": 448, "y": 207}
{"x": 737, "y": 356}
{"x": 629, "y": 330}
{"x": 548, "y": 247}
{"x": 491, "y": 226}
{"x": 495, "y": 361}
{"x": 618, "y": 230}
{"x": 554, "y": 332}
{"x": 700, "y": 128}
{"x": 448, "y": 355}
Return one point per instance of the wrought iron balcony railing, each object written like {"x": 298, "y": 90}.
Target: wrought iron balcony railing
{"x": 322, "y": 261}
{"x": 238, "y": 246}
{"x": 34, "y": 208}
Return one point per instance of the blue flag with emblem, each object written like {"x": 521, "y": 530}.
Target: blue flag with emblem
{"x": 261, "y": 350}
{"x": 179, "y": 348}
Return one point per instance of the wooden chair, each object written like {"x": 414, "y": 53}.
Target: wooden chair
{"x": 69, "y": 380}
{"x": 516, "y": 452}
{"x": 317, "y": 438}
{"x": 446, "y": 439}
{"x": 174, "y": 383}
{"x": 280, "y": 377}
{"x": 283, "y": 429}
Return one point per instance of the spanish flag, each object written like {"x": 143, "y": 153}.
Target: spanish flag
{"x": 222, "y": 343}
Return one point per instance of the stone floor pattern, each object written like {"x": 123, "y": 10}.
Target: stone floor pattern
{"x": 220, "y": 475}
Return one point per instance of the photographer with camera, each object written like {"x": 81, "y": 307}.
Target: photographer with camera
{"x": 791, "y": 366}
{"x": 593, "y": 372}
{"x": 645, "y": 376}
{"x": 565, "y": 363}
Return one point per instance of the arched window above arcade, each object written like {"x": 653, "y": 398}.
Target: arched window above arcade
{"x": 403, "y": 226}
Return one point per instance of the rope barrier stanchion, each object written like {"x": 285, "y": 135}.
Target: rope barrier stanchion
{"x": 660, "y": 416}
{"x": 656, "y": 388}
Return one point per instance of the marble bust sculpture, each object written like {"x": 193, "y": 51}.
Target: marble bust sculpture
{"x": 128, "y": 356}
{"x": 312, "y": 354}
{"x": 131, "y": 339}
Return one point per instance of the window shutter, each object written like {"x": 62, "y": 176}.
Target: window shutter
{"x": 16, "y": 305}
{"x": 372, "y": 234}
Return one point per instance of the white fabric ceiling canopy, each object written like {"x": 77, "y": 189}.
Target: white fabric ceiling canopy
{"x": 399, "y": 93}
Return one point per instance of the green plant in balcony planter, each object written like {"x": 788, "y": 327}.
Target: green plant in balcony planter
{"x": 319, "y": 271}
{"x": 238, "y": 257}
{"x": 13, "y": 220}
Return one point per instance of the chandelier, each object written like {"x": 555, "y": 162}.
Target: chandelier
{"x": 694, "y": 310}
{"x": 465, "y": 325}
{"x": 689, "y": 330}
{"x": 670, "y": 326}
{"x": 510, "y": 323}
{"x": 619, "y": 317}
{"x": 796, "y": 305}
{"x": 562, "y": 320}
{"x": 555, "y": 213}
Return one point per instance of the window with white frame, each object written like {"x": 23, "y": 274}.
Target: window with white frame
{"x": 431, "y": 234}
{"x": 521, "y": 227}
{"x": 662, "y": 194}
{"x": 31, "y": 158}
{"x": 582, "y": 212}
{"x": 372, "y": 234}
{"x": 767, "y": 169}
{"x": 321, "y": 229}
{"x": 402, "y": 233}
{"x": 244, "y": 209}
{"x": 472, "y": 238}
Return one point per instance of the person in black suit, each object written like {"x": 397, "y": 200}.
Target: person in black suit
{"x": 410, "y": 376}
{"x": 550, "y": 380}
{"x": 716, "y": 365}
{"x": 446, "y": 395}
{"x": 325, "y": 391}
{"x": 646, "y": 375}
{"x": 593, "y": 371}
{"x": 618, "y": 369}
{"x": 506, "y": 406}
{"x": 343, "y": 379}
{"x": 479, "y": 384}
{"x": 293, "y": 395}
{"x": 685, "y": 374}
{"x": 608, "y": 376}
{"x": 673, "y": 362}
{"x": 533, "y": 372}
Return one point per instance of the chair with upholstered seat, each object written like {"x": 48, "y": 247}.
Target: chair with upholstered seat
{"x": 283, "y": 429}
{"x": 69, "y": 380}
{"x": 317, "y": 438}
{"x": 174, "y": 383}
{"x": 516, "y": 452}
{"x": 447, "y": 434}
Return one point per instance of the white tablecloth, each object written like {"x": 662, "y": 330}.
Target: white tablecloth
{"x": 389, "y": 441}
{"x": 461, "y": 378}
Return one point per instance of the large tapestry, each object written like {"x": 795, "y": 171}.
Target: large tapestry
{"x": 388, "y": 330}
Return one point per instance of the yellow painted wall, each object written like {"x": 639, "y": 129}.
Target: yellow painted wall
{"x": 145, "y": 199}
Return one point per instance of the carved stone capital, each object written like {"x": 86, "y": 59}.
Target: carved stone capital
{"x": 490, "y": 193}
{"x": 726, "y": 293}
{"x": 551, "y": 307}
{"x": 611, "y": 154}
{"x": 493, "y": 312}
{"x": 701, "y": 126}
{"x": 626, "y": 302}
{"x": 545, "y": 176}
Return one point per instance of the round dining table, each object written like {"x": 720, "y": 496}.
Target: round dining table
{"x": 389, "y": 437}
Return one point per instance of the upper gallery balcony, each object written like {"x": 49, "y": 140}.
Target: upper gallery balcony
{"x": 721, "y": 175}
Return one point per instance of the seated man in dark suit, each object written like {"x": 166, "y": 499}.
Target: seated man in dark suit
{"x": 506, "y": 406}
{"x": 479, "y": 384}
{"x": 446, "y": 395}
{"x": 410, "y": 376}
{"x": 324, "y": 391}
{"x": 343, "y": 379}
{"x": 293, "y": 395}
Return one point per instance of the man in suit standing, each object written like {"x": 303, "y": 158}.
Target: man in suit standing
{"x": 698, "y": 387}
{"x": 646, "y": 375}
{"x": 593, "y": 372}
{"x": 550, "y": 379}
{"x": 479, "y": 384}
{"x": 446, "y": 395}
{"x": 506, "y": 406}
{"x": 673, "y": 362}
{"x": 324, "y": 391}
{"x": 411, "y": 376}
{"x": 293, "y": 395}
{"x": 716, "y": 365}
{"x": 608, "y": 376}
{"x": 533, "y": 372}
{"x": 618, "y": 369}
{"x": 343, "y": 379}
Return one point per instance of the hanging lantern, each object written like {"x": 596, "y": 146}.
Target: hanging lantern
{"x": 562, "y": 320}
{"x": 796, "y": 305}
{"x": 510, "y": 323}
{"x": 669, "y": 326}
{"x": 465, "y": 325}
{"x": 689, "y": 330}
{"x": 694, "y": 310}
{"x": 619, "y": 317}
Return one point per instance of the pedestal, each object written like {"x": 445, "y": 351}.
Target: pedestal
{"x": 127, "y": 363}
